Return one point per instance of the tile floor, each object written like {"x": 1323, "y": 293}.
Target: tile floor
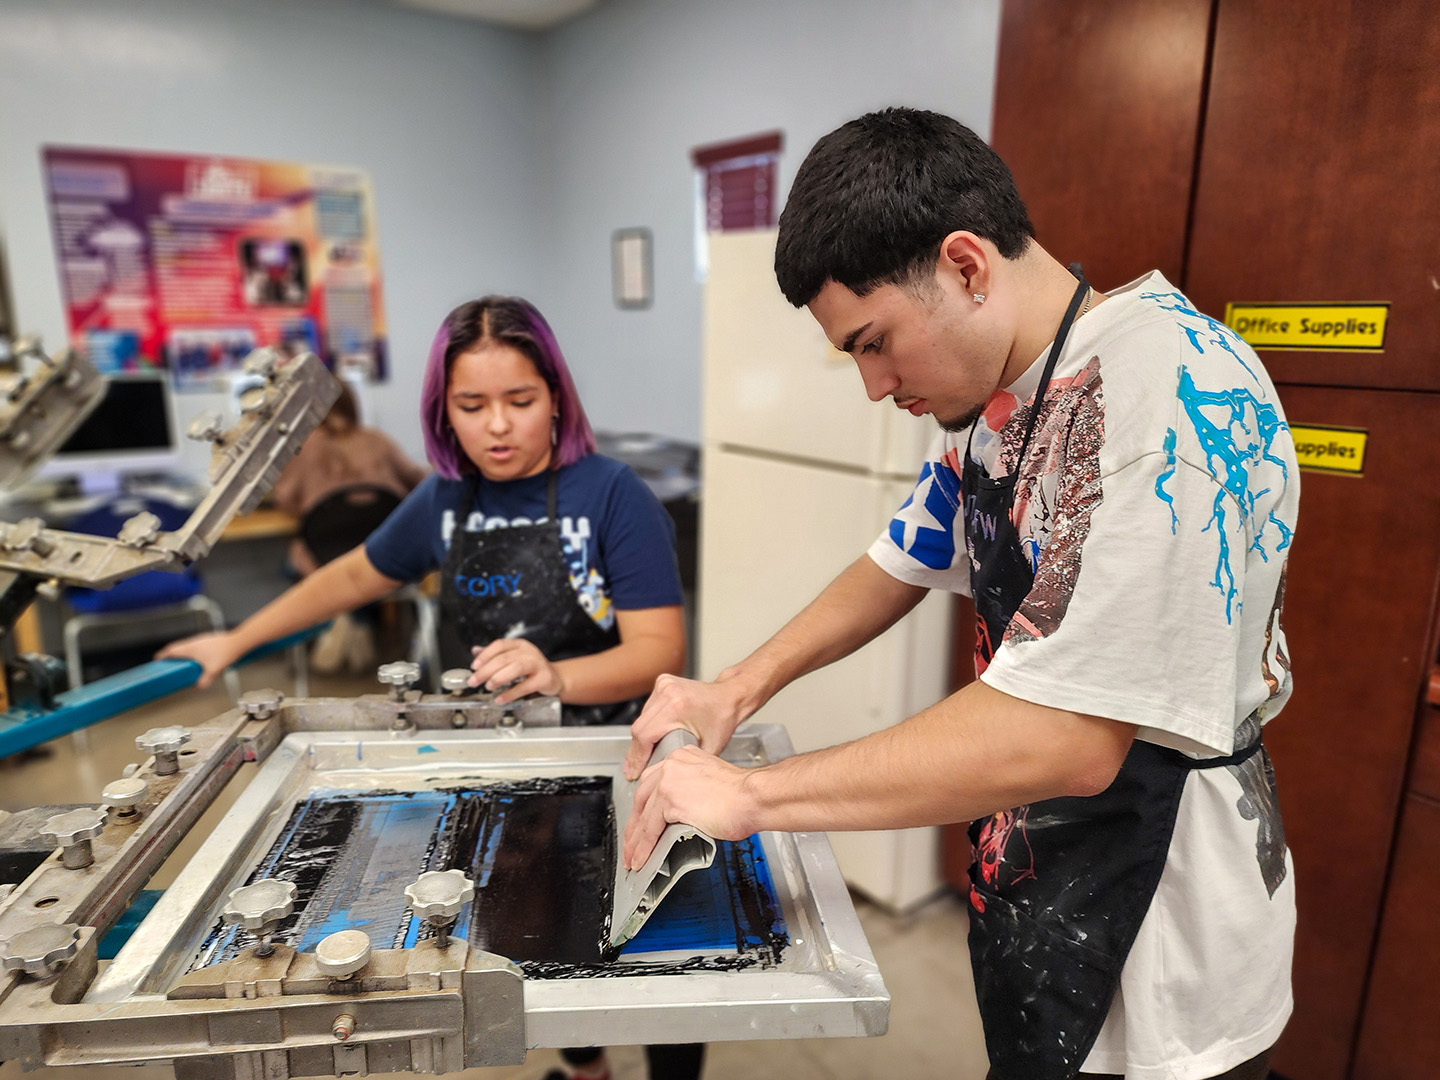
{"x": 934, "y": 1029}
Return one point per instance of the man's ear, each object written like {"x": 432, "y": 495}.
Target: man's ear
{"x": 965, "y": 260}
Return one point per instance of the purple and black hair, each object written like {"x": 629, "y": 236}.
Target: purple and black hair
{"x": 501, "y": 320}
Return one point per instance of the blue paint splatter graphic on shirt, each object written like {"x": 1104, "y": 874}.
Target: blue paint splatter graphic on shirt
{"x": 1220, "y": 334}
{"x": 1237, "y": 431}
{"x": 1160, "y": 491}
{"x": 1234, "y": 453}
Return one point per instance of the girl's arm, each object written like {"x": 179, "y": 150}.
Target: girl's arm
{"x": 652, "y": 643}
{"x": 349, "y": 582}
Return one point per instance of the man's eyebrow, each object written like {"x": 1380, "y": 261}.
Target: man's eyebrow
{"x": 855, "y": 336}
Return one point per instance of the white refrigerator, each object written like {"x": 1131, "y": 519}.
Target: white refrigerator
{"x": 800, "y": 473}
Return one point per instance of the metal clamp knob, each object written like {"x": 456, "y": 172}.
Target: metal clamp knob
{"x": 265, "y": 901}
{"x": 438, "y": 895}
{"x": 206, "y": 427}
{"x": 456, "y": 681}
{"x": 164, "y": 744}
{"x": 343, "y": 953}
{"x": 124, "y": 794}
{"x": 28, "y": 534}
{"x": 261, "y": 704}
{"x": 140, "y": 530}
{"x": 41, "y": 950}
{"x": 260, "y": 907}
{"x": 72, "y": 833}
{"x": 263, "y": 362}
{"x": 400, "y": 676}
{"x": 399, "y": 673}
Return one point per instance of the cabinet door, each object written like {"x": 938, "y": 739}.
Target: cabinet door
{"x": 1317, "y": 176}
{"x": 1358, "y": 610}
{"x": 1399, "y": 1039}
{"x": 1097, "y": 112}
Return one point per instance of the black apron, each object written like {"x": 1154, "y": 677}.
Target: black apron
{"x": 1058, "y": 888}
{"x": 515, "y": 582}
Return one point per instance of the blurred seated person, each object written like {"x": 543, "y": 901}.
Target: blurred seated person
{"x": 342, "y": 483}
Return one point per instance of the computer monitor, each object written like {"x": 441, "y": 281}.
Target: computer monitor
{"x": 132, "y": 431}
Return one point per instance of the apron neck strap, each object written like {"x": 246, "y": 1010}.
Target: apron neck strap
{"x": 472, "y": 490}
{"x": 1081, "y": 288}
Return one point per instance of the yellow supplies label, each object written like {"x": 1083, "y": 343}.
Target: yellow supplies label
{"x": 1330, "y": 449}
{"x": 1311, "y": 327}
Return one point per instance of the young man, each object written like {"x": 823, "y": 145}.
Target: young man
{"x": 1115, "y": 485}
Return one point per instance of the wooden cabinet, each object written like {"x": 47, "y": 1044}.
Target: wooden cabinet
{"x": 1399, "y": 1037}
{"x": 1282, "y": 150}
{"x": 1359, "y": 608}
{"x": 1317, "y": 175}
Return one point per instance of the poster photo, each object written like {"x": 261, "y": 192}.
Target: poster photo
{"x": 187, "y": 263}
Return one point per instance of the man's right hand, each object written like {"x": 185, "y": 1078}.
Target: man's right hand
{"x": 709, "y": 711}
{"x": 213, "y": 652}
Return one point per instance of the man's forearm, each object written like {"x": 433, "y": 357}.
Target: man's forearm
{"x": 855, "y": 608}
{"x": 975, "y": 753}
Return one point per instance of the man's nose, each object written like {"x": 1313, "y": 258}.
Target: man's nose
{"x": 879, "y": 381}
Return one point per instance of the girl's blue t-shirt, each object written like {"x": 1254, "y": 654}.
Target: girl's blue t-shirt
{"x": 616, "y": 537}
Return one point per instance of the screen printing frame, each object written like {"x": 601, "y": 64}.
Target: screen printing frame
{"x": 826, "y": 982}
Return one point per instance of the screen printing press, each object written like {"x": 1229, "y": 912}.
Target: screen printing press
{"x": 416, "y": 882}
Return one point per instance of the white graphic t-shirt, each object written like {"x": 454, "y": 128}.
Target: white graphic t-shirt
{"x": 1156, "y": 505}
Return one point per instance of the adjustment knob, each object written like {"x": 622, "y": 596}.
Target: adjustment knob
{"x": 82, "y": 823}
{"x": 28, "y": 534}
{"x": 401, "y": 673}
{"x": 163, "y": 740}
{"x": 206, "y": 427}
{"x": 261, "y": 704}
{"x": 140, "y": 530}
{"x": 260, "y": 904}
{"x": 125, "y": 793}
{"x": 263, "y": 362}
{"x": 456, "y": 681}
{"x": 72, "y": 833}
{"x": 41, "y": 950}
{"x": 164, "y": 744}
{"x": 343, "y": 953}
{"x": 438, "y": 895}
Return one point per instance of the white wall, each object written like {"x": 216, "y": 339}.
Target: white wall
{"x": 442, "y": 113}
{"x": 633, "y": 85}
{"x": 501, "y": 161}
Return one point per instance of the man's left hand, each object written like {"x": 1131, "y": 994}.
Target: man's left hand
{"x": 693, "y": 786}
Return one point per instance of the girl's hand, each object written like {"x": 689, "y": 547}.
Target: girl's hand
{"x": 518, "y": 666}
{"x": 213, "y": 652}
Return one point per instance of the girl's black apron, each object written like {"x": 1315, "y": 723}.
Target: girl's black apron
{"x": 515, "y": 582}
{"x": 1058, "y": 888}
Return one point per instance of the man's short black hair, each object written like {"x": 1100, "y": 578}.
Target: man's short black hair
{"x": 874, "y": 198}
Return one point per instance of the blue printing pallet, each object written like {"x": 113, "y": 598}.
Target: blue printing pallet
{"x": 22, "y": 727}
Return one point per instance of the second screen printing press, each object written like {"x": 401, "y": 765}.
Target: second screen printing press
{"x": 416, "y": 882}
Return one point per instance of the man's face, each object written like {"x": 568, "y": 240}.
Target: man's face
{"x": 928, "y": 348}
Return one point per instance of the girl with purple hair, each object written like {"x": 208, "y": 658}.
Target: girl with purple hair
{"x": 558, "y": 571}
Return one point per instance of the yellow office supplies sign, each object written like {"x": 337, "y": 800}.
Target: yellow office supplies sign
{"x": 1348, "y": 327}
{"x": 1330, "y": 449}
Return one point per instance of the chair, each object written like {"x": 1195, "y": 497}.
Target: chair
{"x": 153, "y": 597}
{"x": 340, "y": 522}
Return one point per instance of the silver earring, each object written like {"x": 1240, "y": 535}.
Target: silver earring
{"x": 554, "y": 431}
{"x": 979, "y": 297}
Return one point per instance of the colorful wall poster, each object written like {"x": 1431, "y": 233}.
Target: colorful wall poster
{"x": 189, "y": 262}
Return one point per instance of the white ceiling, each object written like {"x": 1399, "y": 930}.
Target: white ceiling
{"x": 525, "y": 14}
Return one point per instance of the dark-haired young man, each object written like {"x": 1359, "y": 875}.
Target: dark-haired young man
{"x": 1115, "y": 485}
